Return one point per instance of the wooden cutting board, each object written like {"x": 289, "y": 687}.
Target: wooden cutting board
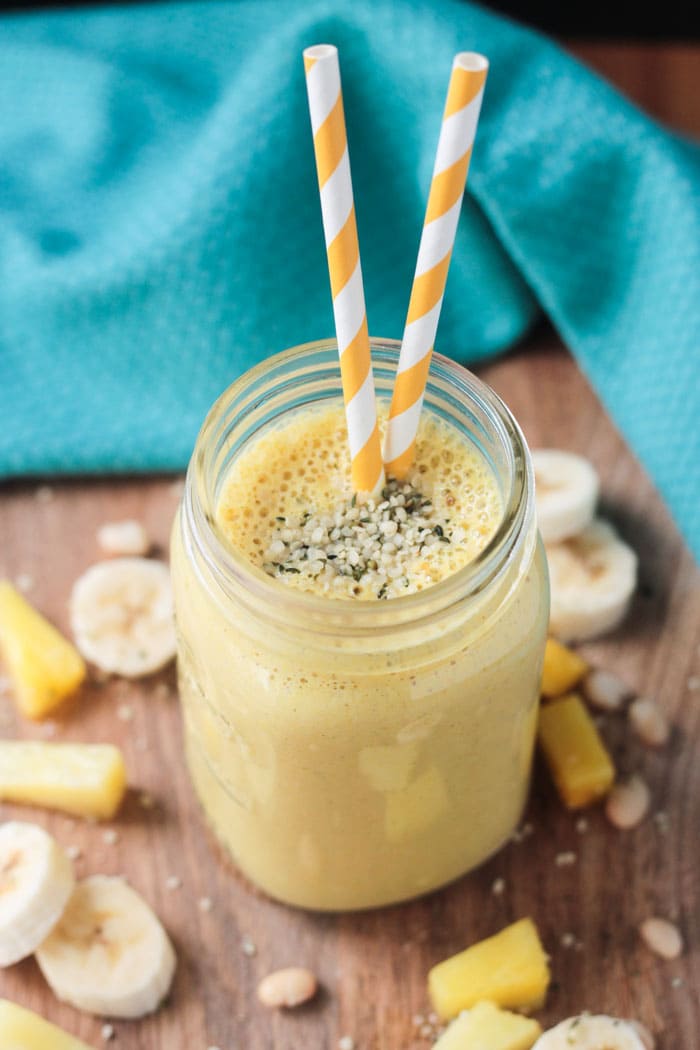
{"x": 373, "y": 966}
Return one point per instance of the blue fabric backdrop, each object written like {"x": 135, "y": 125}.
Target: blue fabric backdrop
{"x": 160, "y": 228}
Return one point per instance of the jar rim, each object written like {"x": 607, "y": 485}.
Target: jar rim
{"x": 228, "y": 567}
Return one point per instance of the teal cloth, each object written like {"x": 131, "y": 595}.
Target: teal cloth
{"x": 160, "y": 227}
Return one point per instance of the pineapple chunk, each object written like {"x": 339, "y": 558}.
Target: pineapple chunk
{"x": 87, "y": 780}
{"x": 509, "y": 969}
{"x": 43, "y": 665}
{"x": 563, "y": 668}
{"x": 485, "y": 1027}
{"x": 578, "y": 761}
{"x": 21, "y": 1029}
{"x": 412, "y": 810}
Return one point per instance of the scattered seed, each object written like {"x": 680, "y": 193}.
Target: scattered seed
{"x": 205, "y": 904}
{"x": 605, "y": 690}
{"x": 427, "y": 1031}
{"x": 247, "y": 947}
{"x": 498, "y": 887}
{"x": 567, "y": 940}
{"x": 662, "y": 937}
{"x": 346, "y": 1042}
{"x": 24, "y": 581}
{"x": 124, "y": 538}
{"x": 418, "y": 1020}
{"x": 107, "y": 1032}
{"x": 146, "y": 801}
{"x": 565, "y": 859}
{"x": 433, "y": 1019}
{"x": 644, "y": 1034}
{"x": 125, "y": 713}
{"x": 582, "y": 825}
{"x": 173, "y": 882}
{"x": 628, "y": 803}
{"x": 649, "y": 722}
{"x": 73, "y": 852}
{"x": 676, "y": 982}
{"x": 110, "y": 836}
{"x": 661, "y": 820}
{"x": 289, "y": 987}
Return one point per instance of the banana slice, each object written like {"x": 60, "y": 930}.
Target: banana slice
{"x": 591, "y": 1032}
{"x": 122, "y": 616}
{"x": 592, "y": 578}
{"x": 109, "y": 954}
{"x": 36, "y": 881}
{"x": 566, "y": 493}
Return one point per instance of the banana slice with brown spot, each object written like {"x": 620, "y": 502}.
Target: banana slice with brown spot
{"x": 592, "y": 579}
{"x": 566, "y": 493}
{"x": 36, "y": 882}
{"x": 122, "y": 616}
{"x": 109, "y": 954}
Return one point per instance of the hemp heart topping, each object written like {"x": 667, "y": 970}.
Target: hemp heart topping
{"x": 362, "y": 549}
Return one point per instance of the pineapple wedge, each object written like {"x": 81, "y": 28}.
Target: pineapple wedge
{"x": 43, "y": 665}
{"x": 562, "y": 670}
{"x": 581, "y": 767}
{"x": 509, "y": 969}
{"x": 485, "y": 1027}
{"x": 21, "y": 1029}
{"x": 86, "y": 780}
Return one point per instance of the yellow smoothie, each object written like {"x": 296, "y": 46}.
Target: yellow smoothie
{"x": 357, "y": 737}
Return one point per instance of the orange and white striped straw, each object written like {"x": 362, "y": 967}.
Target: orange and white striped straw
{"x": 454, "y": 151}
{"x": 343, "y": 250}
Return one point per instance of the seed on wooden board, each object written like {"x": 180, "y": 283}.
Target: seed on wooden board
{"x": 290, "y": 987}
{"x": 565, "y": 859}
{"x": 628, "y": 803}
{"x": 649, "y": 722}
{"x": 662, "y": 937}
{"x": 124, "y": 538}
{"x": 605, "y": 690}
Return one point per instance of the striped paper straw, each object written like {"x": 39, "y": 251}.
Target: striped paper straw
{"x": 454, "y": 151}
{"x": 342, "y": 247}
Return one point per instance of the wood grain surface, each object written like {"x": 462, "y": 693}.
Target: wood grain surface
{"x": 373, "y": 966}
{"x": 664, "y": 79}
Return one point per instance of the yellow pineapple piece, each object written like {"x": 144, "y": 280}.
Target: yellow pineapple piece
{"x": 410, "y": 811}
{"x": 43, "y": 665}
{"x": 580, "y": 765}
{"x": 87, "y": 780}
{"x": 562, "y": 670}
{"x": 509, "y": 969}
{"x": 485, "y": 1027}
{"x": 21, "y": 1029}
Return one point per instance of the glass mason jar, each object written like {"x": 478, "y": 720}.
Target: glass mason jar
{"x": 352, "y": 754}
